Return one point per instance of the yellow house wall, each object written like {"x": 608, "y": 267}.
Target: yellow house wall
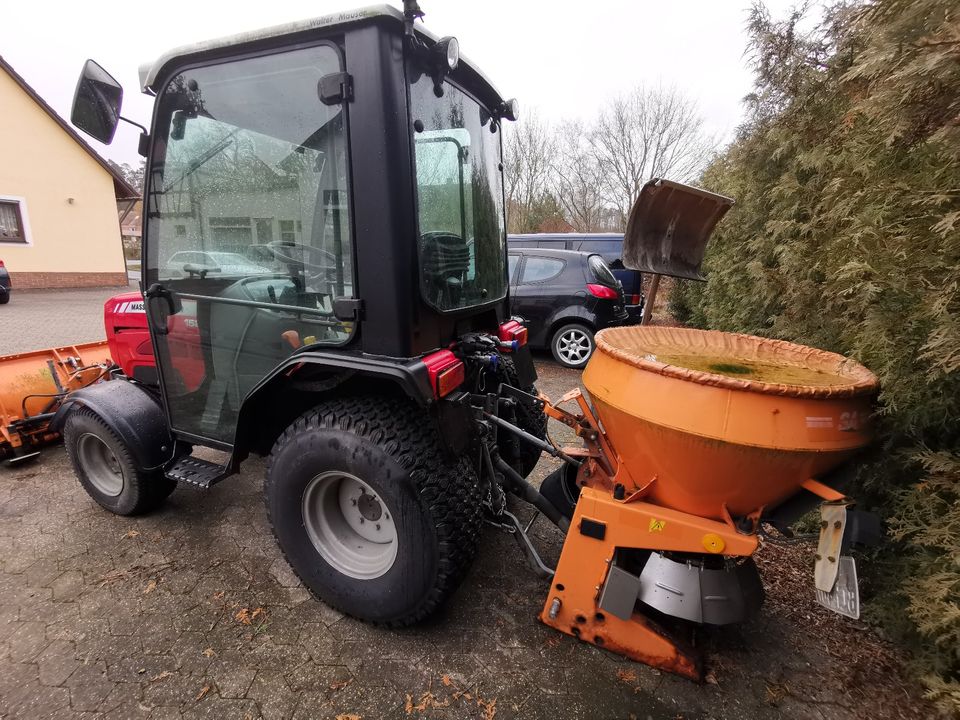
{"x": 42, "y": 164}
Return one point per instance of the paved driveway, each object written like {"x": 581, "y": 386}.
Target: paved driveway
{"x": 37, "y": 319}
{"x": 192, "y": 612}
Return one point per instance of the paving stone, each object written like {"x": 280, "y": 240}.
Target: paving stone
{"x": 231, "y": 680}
{"x": 57, "y": 662}
{"x": 89, "y": 686}
{"x": 34, "y": 700}
{"x": 275, "y": 698}
{"x": 27, "y": 640}
{"x": 68, "y": 585}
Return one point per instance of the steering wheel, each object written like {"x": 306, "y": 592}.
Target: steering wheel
{"x": 319, "y": 266}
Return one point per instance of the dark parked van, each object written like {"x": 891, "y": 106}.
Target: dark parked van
{"x": 607, "y": 245}
{"x": 565, "y": 297}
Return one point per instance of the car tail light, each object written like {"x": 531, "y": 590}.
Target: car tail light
{"x": 602, "y": 291}
{"x": 1, "y": 264}
{"x": 635, "y": 299}
{"x": 512, "y": 331}
{"x": 447, "y": 373}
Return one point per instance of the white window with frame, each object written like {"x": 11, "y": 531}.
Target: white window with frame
{"x": 13, "y": 220}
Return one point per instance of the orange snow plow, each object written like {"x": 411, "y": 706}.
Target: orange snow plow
{"x": 32, "y": 386}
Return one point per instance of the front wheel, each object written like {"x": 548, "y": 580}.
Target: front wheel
{"x": 572, "y": 345}
{"x": 106, "y": 470}
{"x": 368, "y": 511}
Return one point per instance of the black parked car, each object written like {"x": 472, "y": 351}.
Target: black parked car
{"x": 565, "y": 297}
{"x": 4, "y": 284}
{"x": 608, "y": 245}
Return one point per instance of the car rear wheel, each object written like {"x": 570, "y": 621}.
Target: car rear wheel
{"x": 572, "y": 345}
{"x": 369, "y": 511}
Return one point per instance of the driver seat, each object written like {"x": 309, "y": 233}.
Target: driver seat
{"x": 445, "y": 258}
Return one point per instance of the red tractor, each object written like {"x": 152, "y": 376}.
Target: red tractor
{"x": 325, "y": 283}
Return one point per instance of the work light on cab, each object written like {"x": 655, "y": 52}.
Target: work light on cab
{"x": 448, "y": 50}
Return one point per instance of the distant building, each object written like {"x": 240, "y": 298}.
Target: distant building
{"x": 58, "y": 198}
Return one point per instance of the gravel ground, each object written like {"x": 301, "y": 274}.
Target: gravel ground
{"x": 192, "y": 612}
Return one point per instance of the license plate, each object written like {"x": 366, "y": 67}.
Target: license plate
{"x": 844, "y": 598}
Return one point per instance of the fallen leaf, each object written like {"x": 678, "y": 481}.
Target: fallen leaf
{"x": 209, "y": 653}
{"x": 489, "y": 708}
{"x": 218, "y": 595}
{"x": 627, "y": 676}
{"x": 203, "y": 691}
{"x": 161, "y": 676}
{"x": 445, "y": 679}
{"x": 340, "y": 685}
{"x": 348, "y": 716}
{"x": 131, "y": 533}
{"x": 243, "y": 616}
{"x": 258, "y": 611}
{"x": 151, "y": 586}
{"x": 408, "y": 706}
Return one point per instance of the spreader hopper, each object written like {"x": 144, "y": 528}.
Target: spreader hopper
{"x": 721, "y": 424}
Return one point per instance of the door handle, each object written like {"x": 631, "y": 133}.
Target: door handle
{"x": 154, "y": 294}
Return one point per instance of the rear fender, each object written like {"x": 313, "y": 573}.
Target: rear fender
{"x": 131, "y": 412}
{"x": 286, "y": 393}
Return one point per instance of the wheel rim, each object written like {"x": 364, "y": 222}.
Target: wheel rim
{"x": 349, "y": 525}
{"x": 574, "y": 346}
{"x": 100, "y": 465}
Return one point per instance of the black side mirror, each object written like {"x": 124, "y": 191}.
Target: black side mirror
{"x": 96, "y": 103}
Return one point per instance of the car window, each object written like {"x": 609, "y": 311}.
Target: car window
{"x": 601, "y": 271}
{"x": 512, "y": 261}
{"x": 606, "y": 247}
{"x": 540, "y": 269}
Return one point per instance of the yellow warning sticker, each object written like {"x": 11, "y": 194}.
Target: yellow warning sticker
{"x": 657, "y": 525}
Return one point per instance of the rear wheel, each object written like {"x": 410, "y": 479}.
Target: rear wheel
{"x": 572, "y": 345}
{"x": 368, "y": 511}
{"x": 106, "y": 470}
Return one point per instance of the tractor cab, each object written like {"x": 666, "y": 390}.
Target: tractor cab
{"x": 325, "y": 193}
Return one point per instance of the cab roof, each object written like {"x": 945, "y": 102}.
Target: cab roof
{"x": 151, "y": 73}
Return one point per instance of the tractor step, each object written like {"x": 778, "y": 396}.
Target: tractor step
{"x": 193, "y": 470}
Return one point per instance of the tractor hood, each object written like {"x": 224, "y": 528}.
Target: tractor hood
{"x": 669, "y": 226}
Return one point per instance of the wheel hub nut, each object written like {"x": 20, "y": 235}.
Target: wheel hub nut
{"x": 369, "y": 507}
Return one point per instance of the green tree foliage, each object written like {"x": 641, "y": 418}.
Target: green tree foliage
{"x": 846, "y": 236}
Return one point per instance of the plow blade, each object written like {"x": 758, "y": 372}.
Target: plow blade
{"x": 669, "y": 226}
{"x": 32, "y": 386}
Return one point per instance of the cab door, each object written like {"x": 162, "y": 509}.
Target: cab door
{"x": 248, "y": 238}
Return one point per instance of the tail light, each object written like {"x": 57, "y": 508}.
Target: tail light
{"x": 602, "y": 291}
{"x": 512, "y": 331}
{"x": 446, "y": 372}
{"x": 635, "y": 299}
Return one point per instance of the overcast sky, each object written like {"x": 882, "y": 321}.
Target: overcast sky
{"x": 561, "y": 58}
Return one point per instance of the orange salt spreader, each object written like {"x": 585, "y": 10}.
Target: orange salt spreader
{"x": 679, "y": 468}
{"x": 693, "y": 441}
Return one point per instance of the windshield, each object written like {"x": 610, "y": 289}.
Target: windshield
{"x": 459, "y": 197}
